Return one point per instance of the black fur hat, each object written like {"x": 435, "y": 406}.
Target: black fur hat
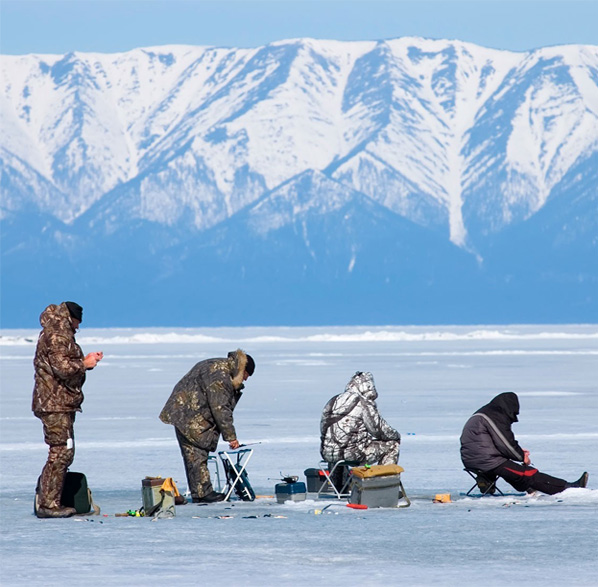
{"x": 250, "y": 367}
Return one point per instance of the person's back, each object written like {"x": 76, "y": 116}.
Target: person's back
{"x": 207, "y": 391}
{"x": 486, "y": 447}
{"x": 352, "y": 429}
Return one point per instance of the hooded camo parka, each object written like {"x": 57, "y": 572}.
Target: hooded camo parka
{"x": 58, "y": 363}
{"x": 202, "y": 402}
{"x": 351, "y": 422}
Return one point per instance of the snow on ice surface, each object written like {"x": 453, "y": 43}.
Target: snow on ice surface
{"x": 429, "y": 380}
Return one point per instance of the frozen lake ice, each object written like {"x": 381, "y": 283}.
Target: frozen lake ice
{"x": 429, "y": 379}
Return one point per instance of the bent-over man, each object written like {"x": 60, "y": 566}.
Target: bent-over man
{"x": 201, "y": 409}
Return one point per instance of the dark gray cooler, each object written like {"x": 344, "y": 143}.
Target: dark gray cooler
{"x": 315, "y": 479}
{"x": 376, "y": 492}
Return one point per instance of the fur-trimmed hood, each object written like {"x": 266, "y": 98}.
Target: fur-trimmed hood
{"x": 238, "y": 362}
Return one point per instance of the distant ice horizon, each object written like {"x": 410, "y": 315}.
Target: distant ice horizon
{"x": 348, "y": 333}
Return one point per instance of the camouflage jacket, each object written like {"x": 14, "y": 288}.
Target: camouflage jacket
{"x": 202, "y": 402}
{"x": 350, "y": 421}
{"x": 58, "y": 363}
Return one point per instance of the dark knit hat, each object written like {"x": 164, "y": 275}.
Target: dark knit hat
{"x": 250, "y": 367}
{"x": 75, "y": 310}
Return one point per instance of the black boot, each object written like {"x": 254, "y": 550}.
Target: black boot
{"x": 211, "y": 497}
{"x": 581, "y": 482}
{"x": 486, "y": 485}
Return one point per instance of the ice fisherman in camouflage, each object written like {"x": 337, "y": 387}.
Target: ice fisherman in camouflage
{"x": 201, "y": 409}
{"x": 60, "y": 369}
{"x": 352, "y": 429}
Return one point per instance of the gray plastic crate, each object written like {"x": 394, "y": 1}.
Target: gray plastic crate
{"x": 376, "y": 492}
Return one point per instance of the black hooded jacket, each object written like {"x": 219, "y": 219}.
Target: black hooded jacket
{"x": 484, "y": 446}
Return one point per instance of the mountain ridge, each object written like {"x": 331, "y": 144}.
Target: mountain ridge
{"x": 177, "y": 143}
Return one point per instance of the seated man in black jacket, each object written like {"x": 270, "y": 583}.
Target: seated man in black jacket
{"x": 488, "y": 445}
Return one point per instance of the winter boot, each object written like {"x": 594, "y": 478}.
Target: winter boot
{"x": 581, "y": 482}
{"x": 57, "y": 512}
{"x": 211, "y": 497}
{"x": 486, "y": 485}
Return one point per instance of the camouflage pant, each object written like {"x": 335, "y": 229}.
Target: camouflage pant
{"x": 386, "y": 452}
{"x": 59, "y": 436}
{"x": 196, "y": 467}
{"x": 381, "y": 452}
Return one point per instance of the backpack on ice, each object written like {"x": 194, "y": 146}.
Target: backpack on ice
{"x": 75, "y": 494}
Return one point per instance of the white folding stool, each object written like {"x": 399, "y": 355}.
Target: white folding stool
{"x": 343, "y": 492}
{"x": 243, "y": 457}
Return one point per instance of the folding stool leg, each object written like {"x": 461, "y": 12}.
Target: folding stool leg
{"x": 214, "y": 459}
{"x": 407, "y": 500}
{"x": 344, "y": 492}
{"x": 491, "y": 485}
{"x": 496, "y": 487}
{"x": 328, "y": 481}
{"x": 475, "y": 481}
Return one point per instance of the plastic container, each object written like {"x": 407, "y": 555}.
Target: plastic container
{"x": 290, "y": 491}
{"x": 151, "y": 495}
{"x": 314, "y": 479}
{"x": 376, "y": 492}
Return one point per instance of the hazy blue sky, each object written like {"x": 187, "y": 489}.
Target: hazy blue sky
{"x": 59, "y": 26}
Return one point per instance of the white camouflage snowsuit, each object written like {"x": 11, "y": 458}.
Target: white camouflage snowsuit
{"x": 352, "y": 429}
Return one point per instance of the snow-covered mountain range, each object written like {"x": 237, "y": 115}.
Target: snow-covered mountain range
{"x": 428, "y": 173}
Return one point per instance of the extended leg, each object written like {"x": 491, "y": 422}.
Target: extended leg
{"x": 523, "y": 478}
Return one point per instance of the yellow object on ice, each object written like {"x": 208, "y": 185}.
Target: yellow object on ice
{"x": 442, "y": 498}
{"x": 170, "y": 485}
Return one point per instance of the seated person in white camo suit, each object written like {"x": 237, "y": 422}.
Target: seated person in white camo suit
{"x": 352, "y": 428}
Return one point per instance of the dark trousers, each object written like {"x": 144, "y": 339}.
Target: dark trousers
{"x": 59, "y": 436}
{"x": 196, "y": 466}
{"x": 524, "y": 478}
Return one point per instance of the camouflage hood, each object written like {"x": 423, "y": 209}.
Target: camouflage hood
{"x": 57, "y": 318}
{"x": 363, "y": 384}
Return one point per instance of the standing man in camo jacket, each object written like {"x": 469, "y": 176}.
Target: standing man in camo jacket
{"x": 201, "y": 409}
{"x": 60, "y": 369}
